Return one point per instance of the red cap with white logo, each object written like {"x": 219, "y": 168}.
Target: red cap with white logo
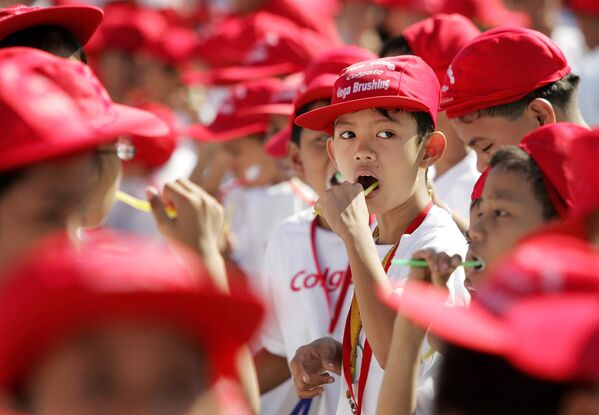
{"x": 499, "y": 67}
{"x": 403, "y": 82}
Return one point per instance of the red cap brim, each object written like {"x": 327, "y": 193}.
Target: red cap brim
{"x": 270, "y": 109}
{"x": 323, "y": 119}
{"x": 81, "y": 21}
{"x": 276, "y": 146}
{"x": 206, "y": 134}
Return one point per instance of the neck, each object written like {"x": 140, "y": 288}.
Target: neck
{"x": 393, "y": 223}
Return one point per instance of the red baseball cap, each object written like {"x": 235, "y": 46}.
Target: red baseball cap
{"x": 128, "y": 27}
{"x": 477, "y": 191}
{"x": 405, "y": 82}
{"x": 490, "y": 13}
{"x": 274, "y": 54}
{"x": 551, "y": 148}
{"x": 499, "y": 67}
{"x": 59, "y": 290}
{"x": 584, "y": 155}
{"x": 53, "y": 107}
{"x": 230, "y": 123}
{"x": 439, "y": 38}
{"x": 81, "y": 21}
{"x": 422, "y": 6}
{"x": 281, "y": 99}
{"x": 547, "y": 288}
{"x": 318, "y": 81}
{"x": 276, "y": 146}
{"x": 154, "y": 152}
{"x": 584, "y": 6}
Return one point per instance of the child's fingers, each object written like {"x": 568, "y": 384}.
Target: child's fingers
{"x": 158, "y": 208}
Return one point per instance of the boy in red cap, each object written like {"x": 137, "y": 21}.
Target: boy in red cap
{"x": 528, "y": 345}
{"x": 60, "y": 30}
{"x": 437, "y": 40}
{"x": 382, "y": 118}
{"x": 526, "y": 187}
{"x": 134, "y": 328}
{"x": 531, "y": 86}
{"x": 305, "y": 263}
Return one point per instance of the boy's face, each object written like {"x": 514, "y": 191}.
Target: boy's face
{"x": 124, "y": 369}
{"x": 46, "y": 198}
{"x": 486, "y": 135}
{"x": 310, "y": 159}
{"x": 249, "y": 161}
{"x": 509, "y": 210}
{"x": 368, "y": 147}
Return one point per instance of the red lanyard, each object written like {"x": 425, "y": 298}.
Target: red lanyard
{"x": 299, "y": 192}
{"x": 336, "y": 312}
{"x": 367, "y": 356}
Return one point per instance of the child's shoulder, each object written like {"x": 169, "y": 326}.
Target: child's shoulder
{"x": 439, "y": 231}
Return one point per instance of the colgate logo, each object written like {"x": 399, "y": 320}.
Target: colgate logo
{"x": 305, "y": 281}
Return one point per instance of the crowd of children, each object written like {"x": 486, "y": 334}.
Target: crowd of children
{"x": 299, "y": 207}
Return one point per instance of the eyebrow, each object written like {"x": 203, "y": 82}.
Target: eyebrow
{"x": 503, "y": 195}
{"x": 474, "y": 141}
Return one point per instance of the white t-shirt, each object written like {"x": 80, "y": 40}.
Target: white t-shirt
{"x": 297, "y": 309}
{"x": 256, "y": 212}
{"x": 588, "y": 95}
{"x": 440, "y": 232}
{"x": 454, "y": 187}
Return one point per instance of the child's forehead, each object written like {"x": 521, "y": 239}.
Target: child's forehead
{"x": 373, "y": 115}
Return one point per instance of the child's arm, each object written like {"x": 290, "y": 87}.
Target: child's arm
{"x": 272, "y": 370}
{"x": 398, "y": 391}
{"x": 198, "y": 225}
{"x": 344, "y": 208}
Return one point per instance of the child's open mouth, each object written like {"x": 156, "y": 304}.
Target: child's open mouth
{"x": 370, "y": 184}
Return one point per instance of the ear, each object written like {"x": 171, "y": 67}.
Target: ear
{"x": 293, "y": 154}
{"x": 541, "y": 111}
{"x": 433, "y": 149}
{"x": 580, "y": 402}
{"x": 331, "y": 151}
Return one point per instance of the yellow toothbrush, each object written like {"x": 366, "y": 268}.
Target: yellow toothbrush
{"x": 142, "y": 205}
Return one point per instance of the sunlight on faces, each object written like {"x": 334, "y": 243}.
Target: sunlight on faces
{"x": 46, "y": 198}
{"x": 118, "y": 369}
{"x": 486, "y": 135}
{"x": 310, "y": 160}
{"x": 509, "y": 210}
{"x": 368, "y": 143}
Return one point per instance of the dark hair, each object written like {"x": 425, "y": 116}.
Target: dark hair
{"x": 515, "y": 159}
{"x": 474, "y": 383}
{"x": 560, "y": 93}
{"x": 296, "y": 130}
{"x": 52, "y": 39}
{"x": 395, "y": 46}
{"x": 9, "y": 178}
{"x": 424, "y": 123}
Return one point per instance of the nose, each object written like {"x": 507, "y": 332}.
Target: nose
{"x": 482, "y": 161}
{"x": 363, "y": 151}
{"x": 477, "y": 231}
